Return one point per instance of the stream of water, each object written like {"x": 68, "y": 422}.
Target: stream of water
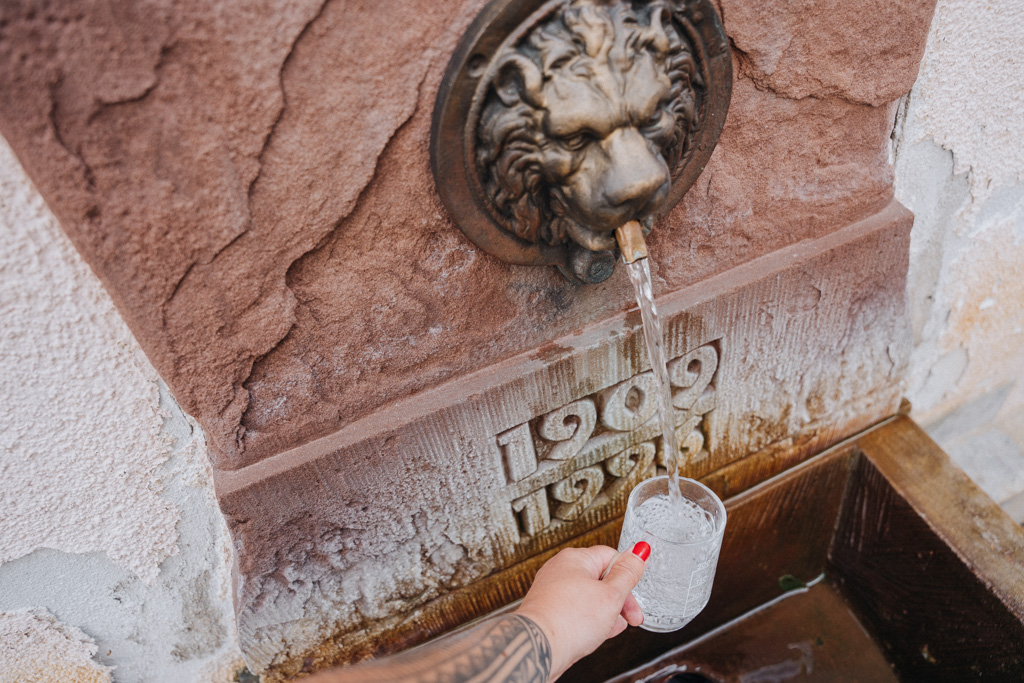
{"x": 640, "y": 276}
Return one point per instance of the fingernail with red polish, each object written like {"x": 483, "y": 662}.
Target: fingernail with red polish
{"x": 642, "y": 550}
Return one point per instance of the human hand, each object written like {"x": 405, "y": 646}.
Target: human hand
{"x": 576, "y": 609}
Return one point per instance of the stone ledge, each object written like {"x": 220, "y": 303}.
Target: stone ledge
{"x": 347, "y": 536}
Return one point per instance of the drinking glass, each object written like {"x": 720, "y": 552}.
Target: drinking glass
{"x": 684, "y": 549}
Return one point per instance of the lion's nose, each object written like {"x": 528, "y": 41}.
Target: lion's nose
{"x": 634, "y": 174}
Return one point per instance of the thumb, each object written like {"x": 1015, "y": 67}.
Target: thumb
{"x": 628, "y": 568}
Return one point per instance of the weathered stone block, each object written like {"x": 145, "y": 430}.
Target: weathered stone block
{"x": 349, "y": 535}
{"x": 829, "y": 48}
{"x": 260, "y": 206}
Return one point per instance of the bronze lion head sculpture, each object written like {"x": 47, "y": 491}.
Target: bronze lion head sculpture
{"x": 580, "y": 120}
{"x": 584, "y": 122}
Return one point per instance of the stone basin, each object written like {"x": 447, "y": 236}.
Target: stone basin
{"x": 877, "y": 560}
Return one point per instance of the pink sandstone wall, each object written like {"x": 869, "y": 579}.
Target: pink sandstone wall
{"x": 253, "y": 188}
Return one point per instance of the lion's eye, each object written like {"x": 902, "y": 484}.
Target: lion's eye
{"x": 652, "y": 120}
{"x": 560, "y": 62}
{"x": 577, "y": 141}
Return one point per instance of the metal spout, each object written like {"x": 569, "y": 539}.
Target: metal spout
{"x": 631, "y": 241}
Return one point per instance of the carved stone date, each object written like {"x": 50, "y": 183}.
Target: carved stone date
{"x": 593, "y": 450}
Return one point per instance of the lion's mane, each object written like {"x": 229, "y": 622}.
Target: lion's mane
{"x": 510, "y": 136}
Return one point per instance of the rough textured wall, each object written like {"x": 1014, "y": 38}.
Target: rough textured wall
{"x": 260, "y": 205}
{"x": 960, "y": 167}
{"x": 35, "y": 647}
{"x": 107, "y": 517}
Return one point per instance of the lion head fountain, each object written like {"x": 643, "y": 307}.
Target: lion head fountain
{"x": 587, "y": 114}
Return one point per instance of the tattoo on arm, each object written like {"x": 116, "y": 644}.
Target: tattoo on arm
{"x": 506, "y": 649}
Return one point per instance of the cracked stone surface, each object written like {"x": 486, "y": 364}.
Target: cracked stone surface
{"x": 866, "y": 52}
{"x": 260, "y": 206}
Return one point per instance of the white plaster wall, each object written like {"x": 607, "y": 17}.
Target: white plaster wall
{"x": 110, "y": 538}
{"x": 959, "y": 154}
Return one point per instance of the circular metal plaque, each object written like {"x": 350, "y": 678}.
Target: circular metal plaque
{"x": 558, "y": 121}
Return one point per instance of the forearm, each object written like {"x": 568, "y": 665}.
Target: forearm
{"x": 510, "y": 647}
